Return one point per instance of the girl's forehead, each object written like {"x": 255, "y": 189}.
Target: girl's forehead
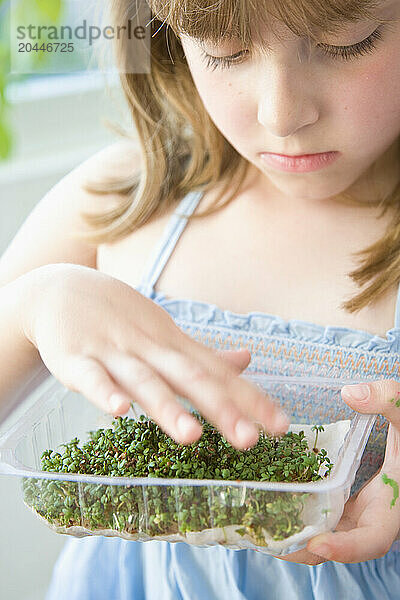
{"x": 250, "y": 20}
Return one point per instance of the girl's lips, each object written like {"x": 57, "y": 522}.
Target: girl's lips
{"x": 299, "y": 164}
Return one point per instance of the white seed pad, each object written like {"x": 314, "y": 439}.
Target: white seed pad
{"x": 321, "y": 511}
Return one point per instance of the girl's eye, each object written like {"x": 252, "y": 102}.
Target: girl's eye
{"x": 342, "y": 52}
{"x": 348, "y": 52}
{"x": 222, "y": 62}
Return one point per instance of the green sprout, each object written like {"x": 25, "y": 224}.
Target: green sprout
{"x": 141, "y": 449}
{"x": 397, "y": 402}
{"x": 317, "y": 429}
{"x": 387, "y": 481}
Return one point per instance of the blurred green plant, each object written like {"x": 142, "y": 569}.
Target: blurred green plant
{"x": 51, "y": 10}
{"x": 5, "y": 133}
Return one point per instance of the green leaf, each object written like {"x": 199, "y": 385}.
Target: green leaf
{"x": 393, "y": 484}
{"x": 5, "y": 140}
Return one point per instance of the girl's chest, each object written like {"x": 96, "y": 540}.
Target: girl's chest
{"x": 292, "y": 269}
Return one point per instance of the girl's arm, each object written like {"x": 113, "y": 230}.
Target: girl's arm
{"x": 45, "y": 237}
{"x": 102, "y": 338}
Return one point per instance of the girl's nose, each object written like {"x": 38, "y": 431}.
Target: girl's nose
{"x": 287, "y": 100}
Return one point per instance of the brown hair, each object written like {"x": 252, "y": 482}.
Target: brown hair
{"x": 181, "y": 148}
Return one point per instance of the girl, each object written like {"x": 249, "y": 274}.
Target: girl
{"x": 264, "y": 205}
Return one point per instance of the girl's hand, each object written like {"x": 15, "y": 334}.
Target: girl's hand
{"x": 371, "y": 519}
{"x": 102, "y": 338}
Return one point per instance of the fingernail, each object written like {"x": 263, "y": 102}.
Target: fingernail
{"x": 116, "y": 402}
{"x": 185, "y": 423}
{"x": 356, "y": 392}
{"x": 245, "y": 431}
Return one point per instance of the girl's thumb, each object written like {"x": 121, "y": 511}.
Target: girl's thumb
{"x": 238, "y": 359}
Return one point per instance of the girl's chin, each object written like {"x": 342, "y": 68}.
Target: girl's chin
{"x": 306, "y": 191}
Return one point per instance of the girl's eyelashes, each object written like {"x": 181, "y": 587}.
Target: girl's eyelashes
{"x": 342, "y": 52}
{"x": 348, "y": 52}
{"x": 222, "y": 62}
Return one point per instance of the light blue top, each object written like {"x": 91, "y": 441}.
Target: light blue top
{"x": 97, "y": 568}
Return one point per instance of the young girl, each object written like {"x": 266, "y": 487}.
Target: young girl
{"x": 215, "y": 235}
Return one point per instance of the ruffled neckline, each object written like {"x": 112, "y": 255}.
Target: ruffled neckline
{"x": 263, "y": 324}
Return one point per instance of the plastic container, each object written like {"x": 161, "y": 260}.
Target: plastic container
{"x": 236, "y": 514}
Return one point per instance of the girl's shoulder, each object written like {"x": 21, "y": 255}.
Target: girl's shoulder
{"x": 117, "y": 160}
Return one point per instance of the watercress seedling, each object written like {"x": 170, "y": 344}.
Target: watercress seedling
{"x": 141, "y": 449}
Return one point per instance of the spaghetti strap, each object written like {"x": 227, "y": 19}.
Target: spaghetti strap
{"x": 158, "y": 259}
{"x": 397, "y": 314}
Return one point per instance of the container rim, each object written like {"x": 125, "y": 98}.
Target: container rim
{"x": 11, "y": 466}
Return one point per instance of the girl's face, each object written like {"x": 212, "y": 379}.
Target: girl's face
{"x": 297, "y": 100}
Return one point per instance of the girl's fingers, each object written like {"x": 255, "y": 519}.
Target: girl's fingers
{"x": 371, "y": 525}
{"x": 196, "y": 372}
{"x": 375, "y": 397}
{"x": 357, "y": 545}
{"x": 224, "y": 399}
{"x": 157, "y": 398}
{"x": 237, "y": 359}
{"x": 141, "y": 382}
{"x": 256, "y": 405}
{"x": 87, "y": 376}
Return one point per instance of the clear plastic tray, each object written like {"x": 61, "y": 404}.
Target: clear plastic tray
{"x": 236, "y": 514}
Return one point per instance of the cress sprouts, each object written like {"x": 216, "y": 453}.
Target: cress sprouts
{"x": 317, "y": 429}
{"x": 141, "y": 449}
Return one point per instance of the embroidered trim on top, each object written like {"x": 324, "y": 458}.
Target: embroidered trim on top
{"x": 353, "y": 359}
{"x": 194, "y": 312}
